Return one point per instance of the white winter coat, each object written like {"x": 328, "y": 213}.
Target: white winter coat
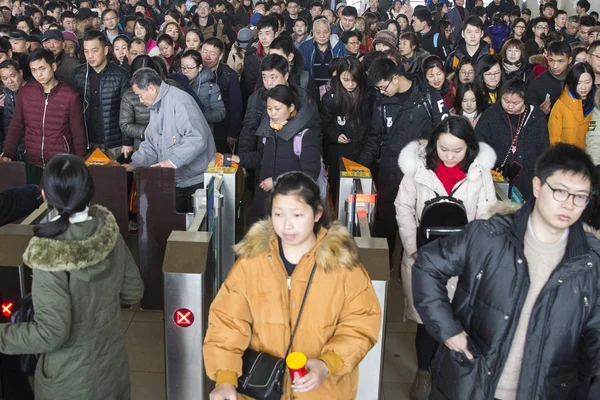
{"x": 592, "y": 138}
{"x": 418, "y": 186}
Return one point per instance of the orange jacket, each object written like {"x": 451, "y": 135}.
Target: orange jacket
{"x": 567, "y": 123}
{"x": 254, "y": 308}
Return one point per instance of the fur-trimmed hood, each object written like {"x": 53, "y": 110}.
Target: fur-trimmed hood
{"x": 335, "y": 247}
{"x": 68, "y": 253}
{"x": 413, "y": 155}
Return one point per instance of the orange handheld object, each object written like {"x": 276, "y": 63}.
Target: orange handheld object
{"x": 296, "y": 363}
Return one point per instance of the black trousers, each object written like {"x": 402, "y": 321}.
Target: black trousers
{"x": 183, "y": 198}
{"x": 426, "y": 347}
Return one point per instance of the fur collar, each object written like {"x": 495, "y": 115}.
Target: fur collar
{"x": 50, "y": 254}
{"x": 413, "y": 155}
{"x": 335, "y": 247}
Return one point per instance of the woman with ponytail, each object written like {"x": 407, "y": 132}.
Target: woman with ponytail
{"x": 82, "y": 273}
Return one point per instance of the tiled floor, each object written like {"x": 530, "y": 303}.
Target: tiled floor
{"x": 144, "y": 338}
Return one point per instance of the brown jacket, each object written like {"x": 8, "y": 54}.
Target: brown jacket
{"x": 254, "y": 308}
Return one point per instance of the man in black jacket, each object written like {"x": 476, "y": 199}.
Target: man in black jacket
{"x": 268, "y": 28}
{"x": 544, "y": 90}
{"x": 101, "y": 85}
{"x": 432, "y": 39}
{"x": 406, "y": 110}
{"x": 19, "y": 202}
{"x": 525, "y": 320}
{"x": 12, "y": 78}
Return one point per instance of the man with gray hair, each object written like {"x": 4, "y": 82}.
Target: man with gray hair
{"x": 320, "y": 50}
{"x": 177, "y": 135}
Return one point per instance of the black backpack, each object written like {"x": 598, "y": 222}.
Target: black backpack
{"x": 441, "y": 216}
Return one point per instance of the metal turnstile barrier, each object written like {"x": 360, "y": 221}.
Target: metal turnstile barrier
{"x": 188, "y": 270}
{"x": 356, "y": 209}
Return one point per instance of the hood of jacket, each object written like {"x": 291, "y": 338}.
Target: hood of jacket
{"x": 205, "y": 76}
{"x": 413, "y": 155}
{"x": 293, "y": 126}
{"x": 335, "y": 247}
{"x": 54, "y": 254}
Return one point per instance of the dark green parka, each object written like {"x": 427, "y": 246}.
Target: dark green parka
{"x": 77, "y": 327}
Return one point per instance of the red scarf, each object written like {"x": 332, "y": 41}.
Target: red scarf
{"x": 449, "y": 176}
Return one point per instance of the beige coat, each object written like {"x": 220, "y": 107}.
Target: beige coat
{"x": 418, "y": 186}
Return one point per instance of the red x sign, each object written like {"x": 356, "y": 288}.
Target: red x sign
{"x": 7, "y": 308}
{"x": 183, "y": 318}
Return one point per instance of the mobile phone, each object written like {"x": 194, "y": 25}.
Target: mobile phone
{"x": 226, "y": 161}
{"x": 547, "y": 97}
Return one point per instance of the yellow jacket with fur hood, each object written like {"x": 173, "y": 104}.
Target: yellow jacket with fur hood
{"x": 254, "y": 309}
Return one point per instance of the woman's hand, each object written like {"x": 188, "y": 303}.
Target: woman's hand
{"x": 343, "y": 139}
{"x": 225, "y": 391}
{"x": 317, "y": 373}
{"x": 234, "y": 158}
{"x": 266, "y": 185}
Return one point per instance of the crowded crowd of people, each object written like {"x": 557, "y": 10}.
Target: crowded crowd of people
{"x": 430, "y": 98}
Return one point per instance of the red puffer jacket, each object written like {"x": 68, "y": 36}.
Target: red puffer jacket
{"x": 52, "y": 123}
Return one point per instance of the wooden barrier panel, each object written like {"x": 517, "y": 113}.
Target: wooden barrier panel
{"x": 12, "y": 174}
{"x": 111, "y": 192}
{"x": 157, "y": 218}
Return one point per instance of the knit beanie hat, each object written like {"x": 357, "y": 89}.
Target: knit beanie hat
{"x": 387, "y": 37}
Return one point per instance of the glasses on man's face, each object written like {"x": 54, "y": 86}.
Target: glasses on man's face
{"x": 356, "y": 43}
{"x": 561, "y": 195}
{"x": 542, "y": 28}
{"x": 188, "y": 69}
{"x": 383, "y": 89}
{"x": 204, "y": 8}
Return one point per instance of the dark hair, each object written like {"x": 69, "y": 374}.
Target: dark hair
{"x": 10, "y": 63}
{"x": 559, "y": 12}
{"x": 316, "y": 4}
{"x": 424, "y": 17}
{"x": 165, "y": 38}
{"x": 66, "y": 14}
{"x": 345, "y": 104}
{"x": 284, "y": 43}
{"x": 572, "y": 80}
{"x": 585, "y": 4}
{"x": 68, "y": 187}
{"x": 146, "y": 25}
{"x": 349, "y": 11}
{"x": 304, "y": 187}
{"x": 5, "y": 46}
{"x": 108, "y": 11}
{"x": 565, "y": 158}
{"x": 461, "y": 90}
{"x": 143, "y": 61}
{"x": 284, "y": 94}
{"x": 122, "y": 37}
{"x": 484, "y": 65}
{"x": 456, "y": 73}
{"x": 515, "y": 22}
{"x": 370, "y": 19}
{"x": 275, "y": 62}
{"x": 333, "y": 65}
{"x": 587, "y": 20}
{"x": 592, "y": 14}
{"x": 591, "y": 48}
{"x": 194, "y": 55}
{"x": 130, "y": 18}
{"x": 47, "y": 19}
{"x": 514, "y": 86}
{"x": 526, "y": 11}
{"x": 389, "y": 22}
{"x": 40, "y": 54}
{"x": 478, "y": 11}
{"x": 300, "y": 19}
{"x": 383, "y": 69}
{"x": 25, "y": 19}
{"x": 413, "y": 39}
{"x": 216, "y": 42}
{"x": 581, "y": 49}
{"x": 559, "y": 49}
{"x": 197, "y": 31}
{"x": 280, "y": 20}
{"x": 431, "y": 62}
{"x": 462, "y": 129}
{"x": 514, "y": 43}
{"x": 407, "y": 22}
{"x": 51, "y": 6}
{"x": 474, "y": 21}
{"x": 135, "y": 41}
{"x": 176, "y": 15}
{"x": 268, "y": 21}
{"x": 347, "y": 35}
{"x": 94, "y": 34}
{"x": 180, "y": 36}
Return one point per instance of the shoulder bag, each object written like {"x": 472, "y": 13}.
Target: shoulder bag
{"x": 262, "y": 373}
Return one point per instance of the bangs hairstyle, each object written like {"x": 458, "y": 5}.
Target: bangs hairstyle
{"x": 299, "y": 184}
{"x": 566, "y": 158}
{"x": 346, "y": 104}
{"x": 462, "y": 129}
{"x": 430, "y": 62}
{"x": 461, "y": 90}
{"x": 413, "y": 39}
{"x": 285, "y": 95}
{"x": 517, "y": 44}
{"x": 573, "y": 77}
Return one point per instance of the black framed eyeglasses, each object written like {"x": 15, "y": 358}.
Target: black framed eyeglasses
{"x": 561, "y": 195}
{"x": 383, "y": 89}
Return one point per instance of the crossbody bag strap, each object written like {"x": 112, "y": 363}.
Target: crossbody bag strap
{"x": 516, "y": 138}
{"x": 456, "y": 188}
{"x": 312, "y": 274}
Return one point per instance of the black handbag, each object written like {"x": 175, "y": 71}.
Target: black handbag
{"x": 262, "y": 373}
